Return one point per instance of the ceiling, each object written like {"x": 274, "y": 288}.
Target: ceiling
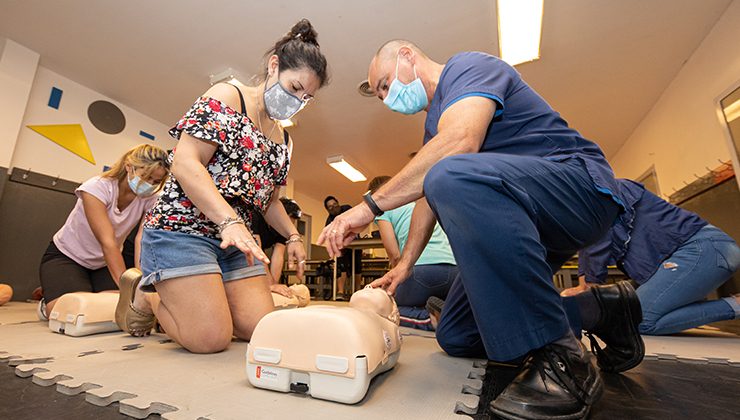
{"x": 604, "y": 62}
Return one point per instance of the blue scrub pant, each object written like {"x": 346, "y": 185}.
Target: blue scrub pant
{"x": 511, "y": 222}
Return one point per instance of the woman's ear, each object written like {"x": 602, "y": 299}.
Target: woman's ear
{"x": 272, "y": 65}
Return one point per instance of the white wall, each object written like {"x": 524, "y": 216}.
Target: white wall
{"x": 682, "y": 134}
{"x": 40, "y": 154}
{"x": 17, "y": 70}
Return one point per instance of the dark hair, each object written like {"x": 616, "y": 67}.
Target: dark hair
{"x": 328, "y": 198}
{"x": 291, "y": 207}
{"x": 299, "y": 48}
{"x": 377, "y": 182}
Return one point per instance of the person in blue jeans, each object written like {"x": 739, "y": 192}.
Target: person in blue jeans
{"x": 430, "y": 273}
{"x": 676, "y": 258}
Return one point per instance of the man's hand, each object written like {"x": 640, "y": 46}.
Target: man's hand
{"x": 344, "y": 228}
{"x": 392, "y": 279}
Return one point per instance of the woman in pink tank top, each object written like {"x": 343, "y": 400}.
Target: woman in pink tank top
{"x": 85, "y": 253}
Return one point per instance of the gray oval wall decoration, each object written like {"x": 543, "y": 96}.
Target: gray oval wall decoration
{"x": 106, "y": 117}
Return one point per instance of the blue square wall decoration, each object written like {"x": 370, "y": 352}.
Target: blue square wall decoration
{"x": 55, "y": 97}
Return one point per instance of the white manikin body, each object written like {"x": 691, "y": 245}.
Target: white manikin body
{"x": 82, "y": 313}
{"x": 325, "y": 351}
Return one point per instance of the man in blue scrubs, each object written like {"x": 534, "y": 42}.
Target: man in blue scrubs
{"x": 517, "y": 192}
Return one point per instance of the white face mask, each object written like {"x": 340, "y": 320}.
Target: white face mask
{"x": 140, "y": 187}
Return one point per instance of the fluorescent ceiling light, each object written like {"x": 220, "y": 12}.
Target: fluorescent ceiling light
{"x": 344, "y": 168}
{"x": 228, "y": 75}
{"x": 519, "y": 30}
{"x": 287, "y": 123}
{"x": 732, "y": 111}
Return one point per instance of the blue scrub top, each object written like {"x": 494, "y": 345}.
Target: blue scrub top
{"x": 655, "y": 233}
{"x": 524, "y": 124}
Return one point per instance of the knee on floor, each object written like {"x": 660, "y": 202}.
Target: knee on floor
{"x": 207, "y": 340}
{"x": 458, "y": 346}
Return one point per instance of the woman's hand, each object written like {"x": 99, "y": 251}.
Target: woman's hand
{"x": 393, "y": 278}
{"x": 281, "y": 289}
{"x": 297, "y": 258}
{"x": 238, "y": 235}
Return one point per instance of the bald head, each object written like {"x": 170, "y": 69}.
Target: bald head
{"x": 390, "y": 49}
{"x": 410, "y": 59}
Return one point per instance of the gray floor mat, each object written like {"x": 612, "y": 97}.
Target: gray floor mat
{"x": 154, "y": 375}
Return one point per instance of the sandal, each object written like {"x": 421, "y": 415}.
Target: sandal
{"x": 128, "y": 318}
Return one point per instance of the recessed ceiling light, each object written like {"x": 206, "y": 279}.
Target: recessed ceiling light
{"x": 340, "y": 165}
{"x": 519, "y": 30}
{"x": 732, "y": 111}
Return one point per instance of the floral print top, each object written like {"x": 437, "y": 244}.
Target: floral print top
{"x": 246, "y": 168}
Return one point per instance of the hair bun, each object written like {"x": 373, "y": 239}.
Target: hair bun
{"x": 304, "y": 31}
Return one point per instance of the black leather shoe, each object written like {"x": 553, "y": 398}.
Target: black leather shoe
{"x": 554, "y": 384}
{"x": 621, "y": 314}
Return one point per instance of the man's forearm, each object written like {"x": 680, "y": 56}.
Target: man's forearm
{"x": 408, "y": 184}
{"x": 420, "y": 230}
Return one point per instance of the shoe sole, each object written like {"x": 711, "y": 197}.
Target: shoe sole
{"x": 634, "y": 314}
{"x": 127, "y": 287}
{"x": 597, "y": 389}
{"x": 435, "y": 305}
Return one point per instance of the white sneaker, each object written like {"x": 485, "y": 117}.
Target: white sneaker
{"x": 41, "y": 311}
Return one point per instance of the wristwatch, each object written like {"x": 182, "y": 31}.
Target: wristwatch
{"x": 368, "y": 197}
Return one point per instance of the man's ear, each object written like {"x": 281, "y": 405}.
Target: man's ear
{"x": 408, "y": 54}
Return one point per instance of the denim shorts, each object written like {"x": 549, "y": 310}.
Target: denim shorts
{"x": 167, "y": 255}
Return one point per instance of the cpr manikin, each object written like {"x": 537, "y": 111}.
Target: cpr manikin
{"x": 301, "y": 297}
{"x": 83, "y": 313}
{"x": 328, "y": 352}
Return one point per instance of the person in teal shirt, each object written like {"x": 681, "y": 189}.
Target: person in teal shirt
{"x": 431, "y": 275}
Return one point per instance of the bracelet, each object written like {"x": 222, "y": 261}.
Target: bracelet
{"x": 294, "y": 238}
{"x": 228, "y": 222}
{"x": 372, "y": 204}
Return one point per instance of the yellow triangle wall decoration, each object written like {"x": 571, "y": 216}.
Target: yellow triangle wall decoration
{"x": 69, "y": 136}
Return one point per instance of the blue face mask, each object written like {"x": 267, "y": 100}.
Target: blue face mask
{"x": 406, "y": 98}
{"x": 141, "y": 187}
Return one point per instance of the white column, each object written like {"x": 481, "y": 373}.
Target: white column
{"x": 17, "y": 71}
